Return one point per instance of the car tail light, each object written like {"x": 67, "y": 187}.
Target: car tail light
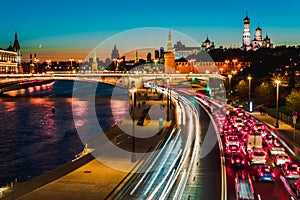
{"x": 238, "y": 160}
{"x": 273, "y": 174}
{"x": 261, "y": 174}
{"x": 243, "y": 162}
{"x": 232, "y": 161}
{"x": 288, "y": 172}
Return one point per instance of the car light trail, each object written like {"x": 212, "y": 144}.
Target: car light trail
{"x": 162, "y": 164}
{"x": 146, "y": 173}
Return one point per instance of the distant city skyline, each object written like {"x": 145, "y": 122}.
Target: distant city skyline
{"x": 62, "y": 29}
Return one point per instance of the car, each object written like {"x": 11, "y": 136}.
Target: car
{"x": 296, "y": 187}
{"x": 291, "y": 170}
{"x": 265, "y": 173}
{"x": 276, "y": 148}
{"x": 258, "y": 156}
{"x": 258, "y": 126}
{"x": 232, "y": 149}
{"x": 232, "y": 140}
{"x": 268, "y": 139}
{"x": 237, "y": 161}
{"x": 281, "y": 159}
{"x": 238, "y": 122}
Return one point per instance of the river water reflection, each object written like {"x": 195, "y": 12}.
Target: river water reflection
{"x": 34, "y": 140}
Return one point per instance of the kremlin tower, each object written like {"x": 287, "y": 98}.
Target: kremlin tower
{"x": 169, "y": 57}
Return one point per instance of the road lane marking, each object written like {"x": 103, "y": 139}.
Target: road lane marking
{"x": 258, "y": 197}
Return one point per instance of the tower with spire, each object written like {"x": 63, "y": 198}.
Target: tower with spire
{"x": 169, "y": 57}
{"x": 136, "y": 56}
{"x": 115, "y": 53}
{"x": 16, "y": 48}
{"x": 258, "y": 41}
{"x": 95, "y": 63}
{"x": 246, "y": 33}
{"x": 169, "y": 46}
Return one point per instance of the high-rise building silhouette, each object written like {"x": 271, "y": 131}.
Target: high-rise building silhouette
{"x": 114, "y": 53}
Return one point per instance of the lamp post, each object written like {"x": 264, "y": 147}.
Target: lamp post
{"x": 79, "y": 64}
{"x": 133, "y": 157}
{"x": 37, "y": 64}
{"x": 234, "y": 62}
{"x": 229, "y": 83}
{"x": 71, "y": 60}
{"x": 168, "y": 100}
{"x": 277, "y": 98}
{"x": 249, "y": 78}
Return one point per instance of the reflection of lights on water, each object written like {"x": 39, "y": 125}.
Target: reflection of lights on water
{"x": 80, "y": 108}
{"x": 37, "y": 88}
{"x": 47, "y": 86}
{"x": 12, "y": 93}
{"x": 22, "y": 91}
{"x": 79, "y": 111}
{"x": 38, "y": 101}
{"x": 119, "y": 109}
{"x": 31, "y": 89}
{"x": 79, "y": 122}
{"x": 10, "y": 106}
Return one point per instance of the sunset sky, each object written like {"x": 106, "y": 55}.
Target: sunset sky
{"x": 59, "y": 30}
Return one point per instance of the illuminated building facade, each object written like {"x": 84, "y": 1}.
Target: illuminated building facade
{"x": 257, "y": 42}
{"x": 11, "y": 58}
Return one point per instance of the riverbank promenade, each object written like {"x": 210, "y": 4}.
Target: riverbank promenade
{"x": 87, "y": 177}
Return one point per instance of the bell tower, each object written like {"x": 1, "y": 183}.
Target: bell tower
{"x": 246, "y": 33}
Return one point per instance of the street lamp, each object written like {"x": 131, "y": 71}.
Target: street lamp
{"x": 168, "y": 99}
{"x": 79, "y": 64}
{"x": 71, "y": 59}
{"x": 249, "y": 78}
{"x": 277, "y": 98}
{"x": 227, "y": 64}
{"x": 229, "y": 83}
{"x": 37, "y": 64}
{"x": 234, "y": 61}
{"x": 133, "y": 157}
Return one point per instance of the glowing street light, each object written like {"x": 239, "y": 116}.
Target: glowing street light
{"x": 221, "y": 70}
{"x": 229, "y": 83}
{"x": 249, "y": 78}
{"x": 71, "y": 60}
{"x": 234, "y": 62}
{"x": 277, "y": 98}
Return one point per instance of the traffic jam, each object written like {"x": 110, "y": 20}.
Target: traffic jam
{"x": 254, "y": 153}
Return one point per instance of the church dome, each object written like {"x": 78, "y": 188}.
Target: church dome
{"x": 246, "y": 20}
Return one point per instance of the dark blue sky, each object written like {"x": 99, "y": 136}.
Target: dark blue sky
{"x": 83, "y": 24}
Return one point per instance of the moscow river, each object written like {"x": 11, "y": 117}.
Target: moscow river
{"x": 35, "y": 140}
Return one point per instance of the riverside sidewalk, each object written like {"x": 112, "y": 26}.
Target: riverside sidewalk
{"x": 285, "y": 130}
